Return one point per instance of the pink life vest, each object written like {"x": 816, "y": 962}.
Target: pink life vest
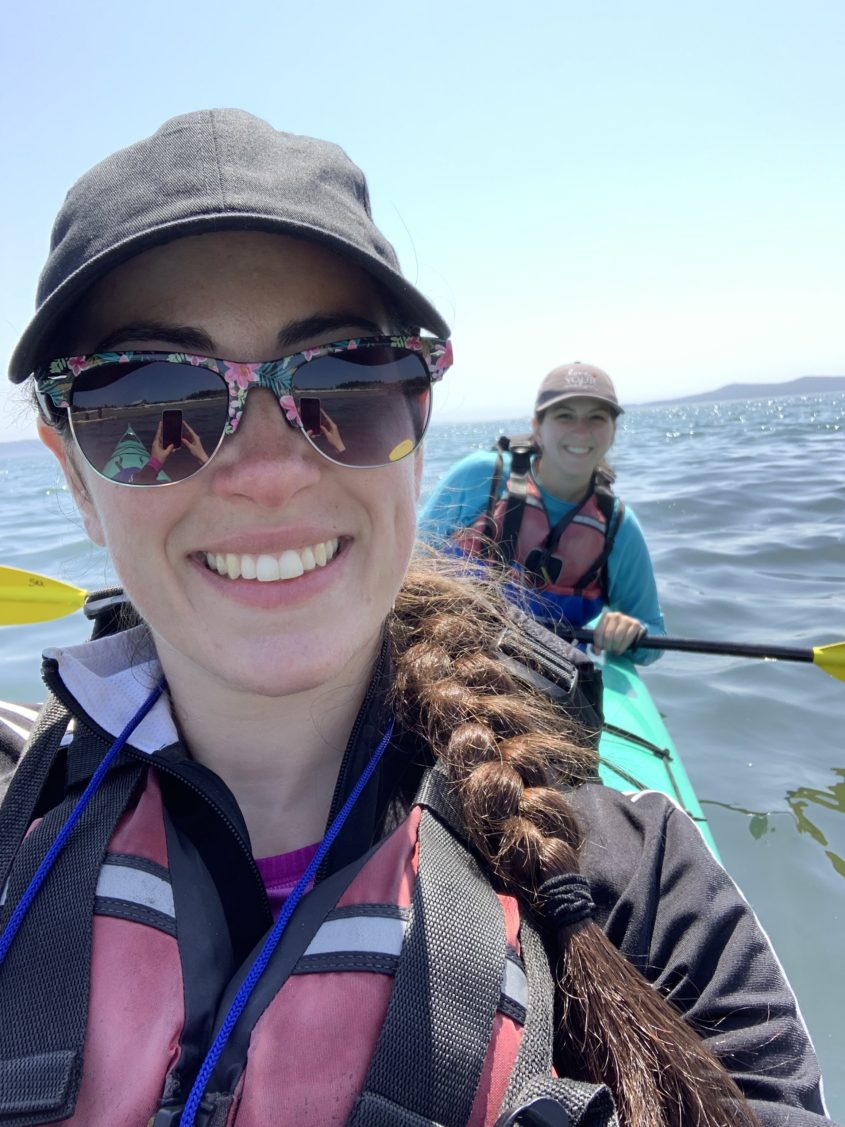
{"x": 580, "y": 546}
{"x": 561, "y": 580}
{"x": 308, "y": 1054}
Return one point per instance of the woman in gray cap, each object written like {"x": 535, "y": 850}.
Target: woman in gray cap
{"x": 294, "y": 840}
{"x": 544, "y": 509}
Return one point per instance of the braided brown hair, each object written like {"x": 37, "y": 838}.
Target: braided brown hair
{"x": 509, "y": 751}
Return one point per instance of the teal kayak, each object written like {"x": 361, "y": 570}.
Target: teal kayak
{"x": 636, "y": 751}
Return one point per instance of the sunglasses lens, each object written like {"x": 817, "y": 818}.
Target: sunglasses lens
{"x": 118, "y": 410}
{"x": 365, "y": 406}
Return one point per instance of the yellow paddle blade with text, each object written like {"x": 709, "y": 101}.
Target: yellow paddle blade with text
{"x": 27, "y": 597}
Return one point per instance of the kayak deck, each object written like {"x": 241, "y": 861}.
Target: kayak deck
{"x": 636, "y": 750}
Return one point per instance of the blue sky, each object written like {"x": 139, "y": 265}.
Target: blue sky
{"x": 654, "y": 187}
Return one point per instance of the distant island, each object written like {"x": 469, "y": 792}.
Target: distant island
{"x": 804, "y": 385}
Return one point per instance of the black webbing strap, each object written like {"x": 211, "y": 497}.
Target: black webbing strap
{"x": 44, "y": 981}
{"x": 28, "y": 781}
{"x": 536, "y": 1048}
{"x": 516, "y": 501}
{"x": 587, "y": 1105}
{"x": 489, "y": 528}
{"x": 584, "y": 1104}
{"x": 432, "y": 1048}
{"x": 436, "y": 793}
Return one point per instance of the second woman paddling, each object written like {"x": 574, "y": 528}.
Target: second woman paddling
{"x": 545, "y": 509}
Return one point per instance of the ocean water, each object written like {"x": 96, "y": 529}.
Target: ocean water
{"x": 743, "y": 505}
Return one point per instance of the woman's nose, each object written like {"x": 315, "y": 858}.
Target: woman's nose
{"x": 266, "y": 459}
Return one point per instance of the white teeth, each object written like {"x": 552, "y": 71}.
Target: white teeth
{"x": 267, "y": 568}
{"x": 290, "y": 565}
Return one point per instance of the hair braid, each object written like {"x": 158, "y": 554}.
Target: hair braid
{"x": 509, "y": 751}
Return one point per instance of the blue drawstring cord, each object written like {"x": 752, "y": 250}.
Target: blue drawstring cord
{"x": 271, "y": 942}
{"x": 17, "y": 917}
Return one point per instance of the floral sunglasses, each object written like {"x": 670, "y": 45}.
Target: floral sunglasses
{"x": 155, "y": 418}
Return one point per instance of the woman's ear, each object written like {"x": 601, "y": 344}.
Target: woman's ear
{"x": 56, "y": 444}
{"x": 535, "y": 430}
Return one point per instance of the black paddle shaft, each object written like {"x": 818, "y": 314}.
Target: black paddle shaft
{"x": 694, "y": 645}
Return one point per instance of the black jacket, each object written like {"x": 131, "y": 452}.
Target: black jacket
{"x": 650, "y": 873}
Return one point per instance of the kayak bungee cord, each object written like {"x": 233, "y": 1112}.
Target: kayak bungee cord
{"x": 271, "y": 942}
{"x": 17, "y": 917}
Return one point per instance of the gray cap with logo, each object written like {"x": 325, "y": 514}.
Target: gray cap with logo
{"x": 577, "y": 381}
{"x": 212, "y": 170}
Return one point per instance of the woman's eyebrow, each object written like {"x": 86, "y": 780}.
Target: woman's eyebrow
{"x": 191, "y": 339}
{"x": 310, "y": 328}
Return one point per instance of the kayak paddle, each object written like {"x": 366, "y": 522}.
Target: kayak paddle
{"x": 830, "y": 658}
{"x": 26, "y": 597}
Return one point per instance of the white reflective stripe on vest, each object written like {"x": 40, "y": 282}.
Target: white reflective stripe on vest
{"x": 515, "y": 984}
{"x": 378, "y": 935}
{"x": 590, "y": 522}
{"x": 121, "y": 882}
{"x": 383, "y": 935}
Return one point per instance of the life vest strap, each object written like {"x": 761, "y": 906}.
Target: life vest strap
{"x": 37, "y": 1085}
{"x": 42, "y": 1037}
{"x": 433, "y": 1045}
{"x": 517, "y": 496}
{"x": 28, "y": 782}
{"x": 580, "y": 1104}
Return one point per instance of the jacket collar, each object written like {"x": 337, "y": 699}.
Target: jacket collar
{"x": 109, "y": 679}
{"x": 105, "y": 681}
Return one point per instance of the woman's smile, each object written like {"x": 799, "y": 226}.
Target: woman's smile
{"x": 269, "y": 567}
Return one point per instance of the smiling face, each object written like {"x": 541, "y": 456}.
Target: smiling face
{"x": 329, "y": 545}
{"x": 574, "y": 436}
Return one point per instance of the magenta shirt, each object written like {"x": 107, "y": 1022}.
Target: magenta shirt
{"x": 281, "y": 873}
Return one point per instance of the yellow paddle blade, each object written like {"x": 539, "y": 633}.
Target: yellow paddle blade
{"x": 26, "y": 597}
{"x": 831, "y": 659}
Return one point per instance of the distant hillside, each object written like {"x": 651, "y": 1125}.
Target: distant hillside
{"x": 805, "y": 385}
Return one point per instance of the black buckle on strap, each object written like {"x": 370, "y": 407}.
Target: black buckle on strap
{"x": 541, "y": 1112}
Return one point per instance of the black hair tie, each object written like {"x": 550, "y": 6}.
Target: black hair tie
{"x": 567, "y": 899}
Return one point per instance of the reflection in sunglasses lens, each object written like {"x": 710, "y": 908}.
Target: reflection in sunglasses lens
{"x": 373, "y": 404}
{"x": 117, "y": 410}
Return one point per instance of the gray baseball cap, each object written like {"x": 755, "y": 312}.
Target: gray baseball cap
{"x": 212, "y": 170}
{"x": 577, "y": 381}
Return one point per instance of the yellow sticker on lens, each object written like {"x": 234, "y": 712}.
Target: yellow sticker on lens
{"x": 401, "y": 450}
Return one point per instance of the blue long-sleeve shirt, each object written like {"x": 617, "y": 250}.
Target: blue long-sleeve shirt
{"x": 461, "y": 497}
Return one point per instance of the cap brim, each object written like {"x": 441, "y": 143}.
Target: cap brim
{"x": 30, "y": 350}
